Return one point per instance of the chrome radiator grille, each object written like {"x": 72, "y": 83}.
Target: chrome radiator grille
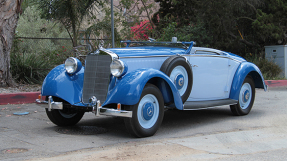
{"x": 97, "y": 77}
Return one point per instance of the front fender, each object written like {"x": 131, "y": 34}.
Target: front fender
{"x": 60, "y": 84}
{"x": 244, "y": 69}
{"x": 128, "y": 89}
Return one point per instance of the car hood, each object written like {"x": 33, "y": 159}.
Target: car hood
{"x": 147, "y": 51}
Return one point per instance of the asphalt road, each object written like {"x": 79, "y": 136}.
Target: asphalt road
{"x": 212, "y": 134}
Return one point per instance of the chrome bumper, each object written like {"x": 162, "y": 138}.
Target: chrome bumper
{"x": 51, "y": 104}
{"x": 97, "y": 109}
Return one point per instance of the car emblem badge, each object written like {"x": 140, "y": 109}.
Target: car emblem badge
{"x": 179, "y": 81}
{"x": 149, "y": 111}
{"x": 246, "y": 96}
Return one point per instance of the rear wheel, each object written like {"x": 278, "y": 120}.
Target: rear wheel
{"x": 65, "y": 117}
{"x": 246, "y": 98}
{"x": 147, "y": 113}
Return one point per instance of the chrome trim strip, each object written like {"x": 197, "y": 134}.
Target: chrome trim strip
{"x": 208, "y": 51}
{"x": 189, "y": 55}
{"x": 220, "y": 56}
{"x": 112, "y": 54}
{"x": 145, "y": 56}
{"x": 156, "y": 42}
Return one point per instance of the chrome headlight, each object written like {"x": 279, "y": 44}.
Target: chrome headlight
{"x": 118, "y": 68}
{"x": 73, "y": 65}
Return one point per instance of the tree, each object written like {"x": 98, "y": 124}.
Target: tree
{"x": 9, "y": 14}
{"x": 30, "y": 24}
{"x": 227, "y": 23}
{"x": 271, "y": 23}
{"x": 70, "y": 13}
{"x": 180, "y": 11}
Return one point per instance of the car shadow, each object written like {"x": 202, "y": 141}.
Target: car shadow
{"x": 173, "y": 121}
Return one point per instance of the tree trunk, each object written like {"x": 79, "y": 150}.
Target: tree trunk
{"x": 9, "y": 14}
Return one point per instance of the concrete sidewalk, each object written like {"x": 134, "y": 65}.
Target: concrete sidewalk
{"x": 30, "y": 97}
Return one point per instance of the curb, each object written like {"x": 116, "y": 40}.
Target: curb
{"x": 30, "y": 97}
{"x": 276, "y": 83}
{"x": 18, "y": 98}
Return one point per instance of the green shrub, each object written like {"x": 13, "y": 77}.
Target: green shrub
{"x": 29, "y": 68}
{"x": 32, "y": 59}
{"x": 270, "y": 70}
{"x": 57, "y": 56}
{"x": 32, "y": 68}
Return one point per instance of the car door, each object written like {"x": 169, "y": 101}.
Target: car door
{"x": 210, "y": 75}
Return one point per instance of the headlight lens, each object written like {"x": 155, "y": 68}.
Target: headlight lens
{"x": 72, "y": 65}
{"x": 117, "y": 68}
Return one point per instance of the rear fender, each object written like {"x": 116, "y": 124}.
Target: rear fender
{"x": 60, "y": 84}
{"x": 244, "y": 69}
{"x": 128, "y": 89}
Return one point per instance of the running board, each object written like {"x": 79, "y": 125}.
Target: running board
{"x": 196, "y": 105}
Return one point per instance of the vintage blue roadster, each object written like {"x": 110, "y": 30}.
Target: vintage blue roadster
{"x": 142, "y": 80}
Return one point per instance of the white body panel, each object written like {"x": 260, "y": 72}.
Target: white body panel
{"x": 209, "y": 78}
{"x": 213, "y": 73}
{"x": 146, "y": 62}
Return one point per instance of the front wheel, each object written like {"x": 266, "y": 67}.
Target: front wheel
{"x": 65, "y": 117}
{"x": 147, "y": 113}
{"x": 246, "y": 98}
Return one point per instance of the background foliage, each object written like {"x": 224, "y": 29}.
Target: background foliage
{"x": 32, "y": 59}
{"x": 241, "y": 27}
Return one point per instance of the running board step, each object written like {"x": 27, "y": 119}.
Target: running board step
{"x": 195, "y": 105}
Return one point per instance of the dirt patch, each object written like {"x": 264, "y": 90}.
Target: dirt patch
{"x": 156, "y": 151}
{"x": 14, "y": 150}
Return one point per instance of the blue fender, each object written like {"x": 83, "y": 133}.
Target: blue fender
{"x": 128, "y": 89}
{"x": 60, "y": 84}
{"x": 244, "y": 69}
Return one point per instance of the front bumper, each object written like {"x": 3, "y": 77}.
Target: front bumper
{"x": 97, "y": 108}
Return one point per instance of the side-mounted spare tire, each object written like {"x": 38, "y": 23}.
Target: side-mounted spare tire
{"x": 180, "y": 72}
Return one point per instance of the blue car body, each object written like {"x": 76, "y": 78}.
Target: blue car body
{"x": 144, "y": 65}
